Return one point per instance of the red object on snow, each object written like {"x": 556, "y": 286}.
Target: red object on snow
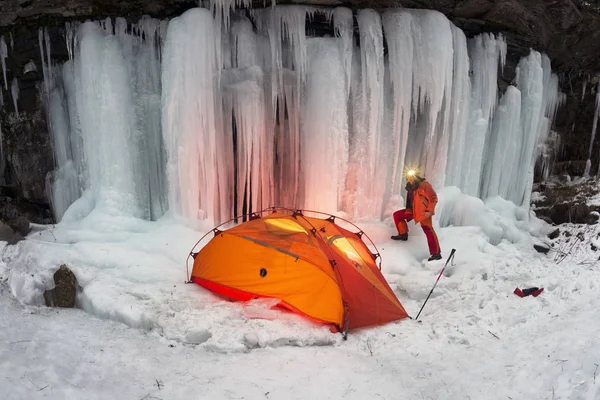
{"x": 531, "y": 291}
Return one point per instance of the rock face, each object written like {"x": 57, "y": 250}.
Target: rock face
{"x": 567, "y": 202}
{"x": 7, "y": 234}
{"x": 20, "y": 225}
{"x": 567, "y": 30}
{"x": 65, "y": 290}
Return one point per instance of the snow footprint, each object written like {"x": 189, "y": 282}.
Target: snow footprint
{"x": 197, "y": 336}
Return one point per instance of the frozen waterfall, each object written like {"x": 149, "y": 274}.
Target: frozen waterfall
{"x": 215, "y": 114}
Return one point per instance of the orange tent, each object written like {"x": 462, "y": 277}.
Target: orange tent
{"x": 312, "y": 265}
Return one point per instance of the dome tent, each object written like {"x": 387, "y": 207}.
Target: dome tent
{"x": 315, "y": 267}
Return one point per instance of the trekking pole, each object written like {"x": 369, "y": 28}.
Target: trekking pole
{"x": 436, "y": 281}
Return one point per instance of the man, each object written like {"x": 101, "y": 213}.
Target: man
{"x": 420, "y": 205}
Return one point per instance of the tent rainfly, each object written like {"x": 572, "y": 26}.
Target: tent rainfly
{"x": 313, "y": 266}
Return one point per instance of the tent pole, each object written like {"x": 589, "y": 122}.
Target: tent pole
{"x": 436, "y": 281}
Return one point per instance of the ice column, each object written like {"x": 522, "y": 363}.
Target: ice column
{"x": 459, "y": 109}
{"x": 222, "y": 10}
{"x": 324, "y": 146}
{"x": 399, "y": 35}
{"x": 343, "y": 23}
{"x": 46, "y": 57}
{"x": 486, "y": 53}
{"x": 501, "y": 167}
{"x": 3, "y": 56}
{"x": 244, "y": 99}
{"x": 197, "y": 182}
{"x": 105, "y": 119}
{"x": 594, "y": 128}
{"x": 367, "y": 169}
{"x": 105, "y": 106}
{"x": 530, "y": 80}
{"x": 63, "y": 187}
{"x": 552, "y": 99}
{"x": 432, "y": 87}
{"x": 15, "y": 91}
{"x": 143, "y": 60}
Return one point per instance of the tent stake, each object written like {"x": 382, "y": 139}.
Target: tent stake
{"x": 436, "y": 281}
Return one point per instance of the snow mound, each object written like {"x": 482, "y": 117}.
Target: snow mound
{"x": 497, "y": 218}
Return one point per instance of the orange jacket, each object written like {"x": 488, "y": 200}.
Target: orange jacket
{"x": 424, "y": 199}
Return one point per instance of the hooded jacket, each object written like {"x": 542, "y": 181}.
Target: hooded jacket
{"x": 421, "y": 198}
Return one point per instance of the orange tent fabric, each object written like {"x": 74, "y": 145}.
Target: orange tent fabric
{"x": 312, "y": 265}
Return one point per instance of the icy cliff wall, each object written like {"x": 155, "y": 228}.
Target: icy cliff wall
{"x": 254, "y": 112}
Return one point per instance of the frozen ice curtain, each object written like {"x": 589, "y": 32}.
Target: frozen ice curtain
{"x": 216, "y": 113}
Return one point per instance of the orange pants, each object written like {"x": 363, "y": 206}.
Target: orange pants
{"x": 400, "y": 218}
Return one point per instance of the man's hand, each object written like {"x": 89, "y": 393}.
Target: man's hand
{"x": 427, "y": 214}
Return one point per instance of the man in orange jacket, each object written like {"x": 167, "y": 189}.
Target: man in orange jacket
{"x": 420, "y": 205}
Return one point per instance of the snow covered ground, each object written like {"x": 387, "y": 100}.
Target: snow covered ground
{"x": 142, "y": 333}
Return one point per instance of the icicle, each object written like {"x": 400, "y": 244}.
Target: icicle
{"x": 12, "y": 42}
{"x": 343, "y": 23}
{"x": 269, "y": 24}
{"x": 70, "y": 34}
{"x": 3, "y": 56}
{"x": 221, "y": 9}
{"x": 294, "y": 30}
{"x": 15, "y": 91}
{"x": 44, "y": 42}
{"x": 595, "y": 124}
{"x": 583, "y": 90}
{"x": 245, "y": 44}
{"x": 120, "y": 27}
{"x": 594, "y": 127}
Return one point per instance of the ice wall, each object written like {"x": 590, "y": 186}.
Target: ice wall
{"x": 520, "y": 130}
{"x": 217, "y": 113}
{"x": 104, "y": 114}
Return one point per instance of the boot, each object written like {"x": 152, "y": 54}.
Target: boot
{"x": 437, "y": 256}
{"x": 403, "y": 236}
